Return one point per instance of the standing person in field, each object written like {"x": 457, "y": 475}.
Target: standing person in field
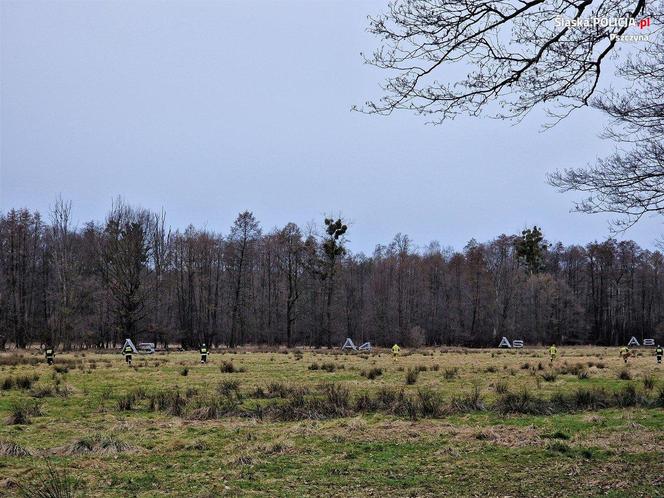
{"x": 50, "y": 355}
{"x": 625, "y": 353}
{"x": 204, "y": 353}
{"x": 127, "y": 352}
{"x": 658, "y": 353}
{"x": 395, "y": 352}
{"x": 553, "y": 352}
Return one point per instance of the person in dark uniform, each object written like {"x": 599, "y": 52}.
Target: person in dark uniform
{"x": 50, "y": 355}
{"x": 127, "y": 352}
{"x": 204, "y": 353}
{"x": 658, "y": 353}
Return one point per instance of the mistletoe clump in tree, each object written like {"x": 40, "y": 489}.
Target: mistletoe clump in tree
{"x": 333, "y": 248}
{"x": 531, "y": 248}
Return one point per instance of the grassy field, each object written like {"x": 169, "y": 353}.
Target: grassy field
{"x": 432, "y": 423}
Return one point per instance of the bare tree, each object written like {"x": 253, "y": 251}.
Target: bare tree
{"x": 291, "y": 262}
{"x": 629, "y": 182}
{"x": 124, "y": 254}
{"x": 244, "y": 233}
{"x": 22, "y": 295}
{"x": 160, "y": 261}
{"x": 447, "y": 58}
{"x": 65, "y": 273}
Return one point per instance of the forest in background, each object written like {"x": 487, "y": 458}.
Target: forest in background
{"x": 132, "y": 276}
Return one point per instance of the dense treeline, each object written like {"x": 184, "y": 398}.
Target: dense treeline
{"x": 131, "y": 276}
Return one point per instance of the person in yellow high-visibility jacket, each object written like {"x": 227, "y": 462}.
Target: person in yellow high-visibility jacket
{"x": 553, "y": 352}
{"x": 395, "y": 351}
{"x": 625, "y": 353}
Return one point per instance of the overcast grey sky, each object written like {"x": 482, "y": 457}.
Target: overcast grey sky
{"x": 210, "y": 108}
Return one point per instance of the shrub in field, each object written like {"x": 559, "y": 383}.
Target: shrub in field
{"x": 126, "y": 402}
{"x": 525, "y": 366}
{"x": 410, "y": 408}
{"x": 328, "y": 367}
{"x": 582, "y": 375}
{"x": 648, "y": 382}
{"x": 549, "y": 376}
{"x": 372, "y": 373}
{"x": 556, "y": 435}
{"x": 589, "y": 399}
{"x": 171, "y": 402}
{"x": 314, "y": 366}
{"x": 18, "y": 359}
{"x": 435, "y": 367}
{"x": 571, "y": 369}
{"x": 11, "y": 449}
{"x": 469, "y": 402}
{"x": 211, "y": 408}
{"x": 227, "y": 367}
{"x": 277, "y": 390}
{"x": 25, "y": 381}
{"x": 629, "y": 396}
{"x": 411, "y": 376}
{"x": 158, "y": 401}
{"x": 61, "y": 369}
{"x": 42, "y": 390}
{"x": 451, "y": 373}
{"x": 491, "y": 369}
{"x": 19, "y": 382}
{"x": 184, "y": 372}
{"x": 22, "y": 411}
{"x": 365, "y": 403}
{"x": 280, "y": 390}
{"x": 522, "y": 402}
{"x": 660, "y": 398}
{"x": 386, "y": 398}
{"x": 429, "y": 404}
{"x": 337, "y": 398}
{"x": 103, "y": 444}
{"x": 624, "y": 374}
{"x": 501, "y": 387}
{"x": 52, "y": 484}
{"x": 559, "y": 447}
{"x": 297, "y": 407}
{"x": 229, "y": 388}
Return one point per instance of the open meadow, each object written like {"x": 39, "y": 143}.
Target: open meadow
{"x": 450, "y": 422}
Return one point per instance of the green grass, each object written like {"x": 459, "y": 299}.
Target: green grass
{"x": 83, "y": 436}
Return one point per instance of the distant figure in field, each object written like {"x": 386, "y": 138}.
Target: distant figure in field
{"x": 204, "y": 353}
{"x": 553, "y": 352}
{"x": 395, "y": 351}
{"x": 625, "y": 353}
{"x": 127, "y": 352}
{"x": 50, "y": 355}
{"x": 658, "y": 353}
